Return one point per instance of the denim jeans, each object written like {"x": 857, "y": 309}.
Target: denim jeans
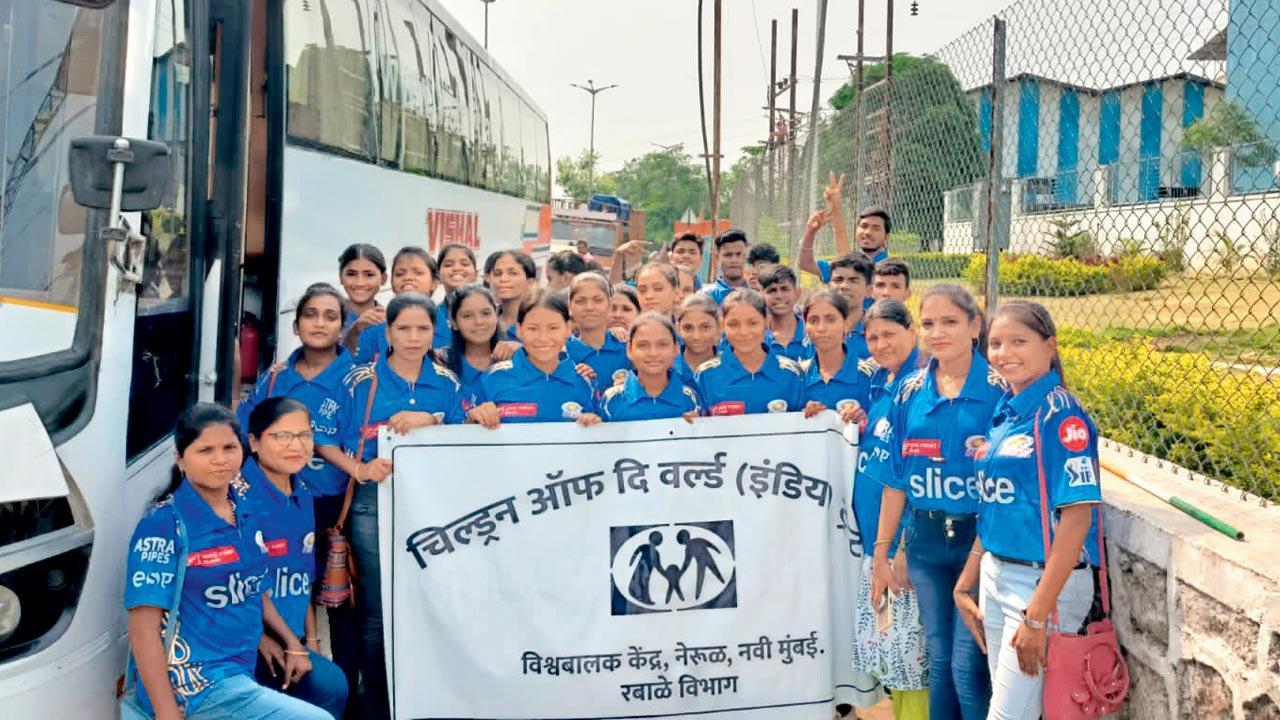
{"x": 959, "y": 682}
{"x": 238, "y": 697}
{"x": 325, "y": 686}
{"x": 1003, "y": 595}
{"x": 374, "y": 702}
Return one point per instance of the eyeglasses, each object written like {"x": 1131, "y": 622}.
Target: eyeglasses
{"x": 306, "y": 437}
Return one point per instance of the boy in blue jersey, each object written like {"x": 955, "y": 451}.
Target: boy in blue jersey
{"x": 786, "y": 327}
{"x": 281, "y": 440}
{"x": 748, "y": 377}
{"x": 891, "y": 280}
{"x": 731, "y": 257}
{"x": 936, "y": 425}
{"x": 1041, "y": 449}
{"x": 651, "y": 390}
{"x": 537, "y": 384}
{"x": 197, "y": 576}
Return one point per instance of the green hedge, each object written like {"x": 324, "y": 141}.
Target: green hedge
{"x": 1178, "y": 406}
{"x": 935, "y": 265}
{"x": 1065, "y": 277}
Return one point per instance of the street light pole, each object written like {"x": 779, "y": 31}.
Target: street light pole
{"x": 487, "y": 3}
{"x": 591, "y": 88}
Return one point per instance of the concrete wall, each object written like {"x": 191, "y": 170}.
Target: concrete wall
{"x": 1198, "y": 614}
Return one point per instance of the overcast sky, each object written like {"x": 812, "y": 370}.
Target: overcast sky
{"x": 649, "y": 47}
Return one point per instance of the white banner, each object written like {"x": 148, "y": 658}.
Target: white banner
{"x": 636, "y": 570}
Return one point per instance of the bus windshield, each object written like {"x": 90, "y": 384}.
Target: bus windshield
{"x": 49, "y": 58}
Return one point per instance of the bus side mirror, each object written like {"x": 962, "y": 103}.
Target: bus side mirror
{"x": 145, "y": 166}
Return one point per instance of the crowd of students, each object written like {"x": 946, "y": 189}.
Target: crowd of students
{"x": 957, "y": 411}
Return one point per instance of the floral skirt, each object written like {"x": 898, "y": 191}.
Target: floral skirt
{"x": 897, "y": 657}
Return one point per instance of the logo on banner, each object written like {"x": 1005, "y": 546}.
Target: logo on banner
{"x": 673, "y": 567}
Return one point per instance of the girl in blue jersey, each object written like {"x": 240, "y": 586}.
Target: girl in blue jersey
{"x": 362, "y": 270}
{"x": 658, "y": 287}
{"x": 512, "y": 276}
{"x": 936, "y": 424}
{"x": 197, "y": 589}
{"x": 539, "y": 383}
{"x": 651, "y": 390}
{"x": 404, "y": 390}
{"x": 455, "y": 267}
{"x": 624, "y": 307}
{"x": 748, "y": 377}
{"x": 412, "y": 270}
{"x": 698, "y": 321}
{"x": 1039, "y": 427}
{"x": 281, "y": 441}
{"x": 896, "y": 657}
{"x": 592, "y": 345}
{"x": 834, "y": 378}
{"x": 473, "y": 313}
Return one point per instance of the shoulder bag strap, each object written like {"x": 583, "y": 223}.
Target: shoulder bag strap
{"x": 271, "y": 383}
{"x": 171, "y": 622}
{"x": 1104, "y": 585}
{"x": 364, "y": 427}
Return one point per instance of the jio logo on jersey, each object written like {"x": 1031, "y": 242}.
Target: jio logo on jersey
{"x": 1074, "y": 434}
{"x": 672, "y": 567}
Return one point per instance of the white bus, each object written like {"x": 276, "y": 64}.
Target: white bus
{"x": 295, "y": 127}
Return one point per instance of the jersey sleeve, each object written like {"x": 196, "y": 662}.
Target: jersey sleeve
{"x": 824, "y": 270}
{"x": 454, "y": 412}
{"x": 885, "y": 468}
{"x": 246, "y": 406}
{"x": 367, "y": 344}
{"x": 1069, "y": 442}
{"x": 151, "y": 570}
{"x": 347, "y": 420}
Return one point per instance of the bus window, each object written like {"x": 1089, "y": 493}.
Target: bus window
{"x": 390, "y": 93}
{"x": 450, "y": 94}
{"x": 413, "y": 35}
{"x": 511, "y": 156}
{"x": 529, "y": 143}
{"x": 487, "y": 143}
{"x": 49, "y": 58}
{"x": 331, "y": 84}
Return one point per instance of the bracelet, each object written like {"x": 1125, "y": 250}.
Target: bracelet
{"x": 296, "y": 652}
{"x": 1033, "y": 624}
{"x": 878, "y": 543}
{"x": 975, "y": 553}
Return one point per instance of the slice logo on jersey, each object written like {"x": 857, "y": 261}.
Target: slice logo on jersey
{"x": 571, "y": 410}
{"x": 1080, "y": 472}
{"x": 729, "y": 407}
{"x": 238, "y": 589}
{"x": 777, "y": 405}
{"x": 883, "y": 430}
{"x": 922, "y": 447}
{"x": 998, "y": 491}
{"x": 975, "y": 446}
{"x": 1017, "y": 446}
{"x": 213, "y": 557}
{"x": 309, "y": 543}
{"x": 1074, "y": 434}
{"x": 933, "y": 484}
{"x": 521, "y": 409}
{"x": 672, "y": 567}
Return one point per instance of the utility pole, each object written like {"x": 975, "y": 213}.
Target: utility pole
{"x": 773, "y": 93}
{"x": 888, "y": 109}
{"x": 487, "y": 3}
{"x": 858, "y": 84}
{"x": 791, "y": 133}
{"x": 816, "y": 105}
{"x": 591, "y": 88}
{"x": 715, "y": 124}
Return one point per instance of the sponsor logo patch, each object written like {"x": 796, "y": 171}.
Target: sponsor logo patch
{"x": 729, "y": 407}
{"x": 883, "y": 430}
{"x": 922, "y": 447}
{"x": 571, "y": 410}
{"x": 1080, "y": 472}
{"x": 777, "y": 406}
{"x": 213, "y": 557}
{"x": 1017, "y": 446}
{"x": 1074, "y": 434}
{"x": 522, "y": 409}
{"x": 973, "y": 445}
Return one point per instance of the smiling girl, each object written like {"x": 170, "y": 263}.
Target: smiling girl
{"x": 750, "y": 378}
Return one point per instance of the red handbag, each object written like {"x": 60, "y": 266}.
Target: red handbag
{"x": 1085, "y": 676}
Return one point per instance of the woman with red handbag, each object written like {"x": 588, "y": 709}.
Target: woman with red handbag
{"x": 1037, "y": 542}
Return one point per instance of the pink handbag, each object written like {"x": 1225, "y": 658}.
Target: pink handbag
{"x": 1085, "y": 676}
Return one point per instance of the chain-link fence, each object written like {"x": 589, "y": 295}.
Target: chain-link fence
{"x": 1124, "y": 156}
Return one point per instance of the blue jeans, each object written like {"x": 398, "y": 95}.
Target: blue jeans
{"x": 325, "y": 686}
{"x": 375, "y": 703}
{"x": 959, "y": 681}
{"x": 238, "y": 697}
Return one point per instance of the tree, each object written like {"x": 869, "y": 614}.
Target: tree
{"x": 1227, "y": 125}
{"x": 573, "y": 175}
{"x": 664, "y": 184}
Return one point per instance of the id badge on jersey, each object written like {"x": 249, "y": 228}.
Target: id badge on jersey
{"x": 729, "y": 407}
{"x": 521, "y": 409}
{"x": 922, "y": 447}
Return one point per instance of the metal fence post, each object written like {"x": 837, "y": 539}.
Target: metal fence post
{"x": 997, "y": 206}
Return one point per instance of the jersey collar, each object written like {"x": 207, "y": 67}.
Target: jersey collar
{"x": 331, "y": 375}
{"x": 633, "y": 391}
{"x": 611, "y": 344}
{"x": 770, "y": 369}
{"x": 973, "y": 382}
{"x": 427, "y": 376}
{"x": 883, "y": 381}
{"x": 254, "y": 475}
{"x": 847, "y": 374}
{"x": 565, "y": 372}
{"x": 1025, "y": 403}
{"x": 197, "y": 514}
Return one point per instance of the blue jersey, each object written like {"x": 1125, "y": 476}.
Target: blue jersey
{"x": 824, "y": 267}
{"x": 289, "y": 528}
{"x": 630, "y": 401}
{"x": 726, "y": 388}
{"x": 323, "y": 395}
{"x": 933, "y": 440}
{"x": 855, "y": 343}
{"x": 436, "y": 391}
{"x": 873, "y": 443}
{"x": 851, "y": 383}
{"x": 1009, "y": 522}
{"x": 610, "y": 361}
{"x": 373, "y": 339}
{"x": 682, "y": 371}
{"x": 798, "y": 348}
{"x": 523, "y": 393}
{"x": 469, "y": 379}
{"x": 720, "y": 289}
{"x": 220, "y": 608}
